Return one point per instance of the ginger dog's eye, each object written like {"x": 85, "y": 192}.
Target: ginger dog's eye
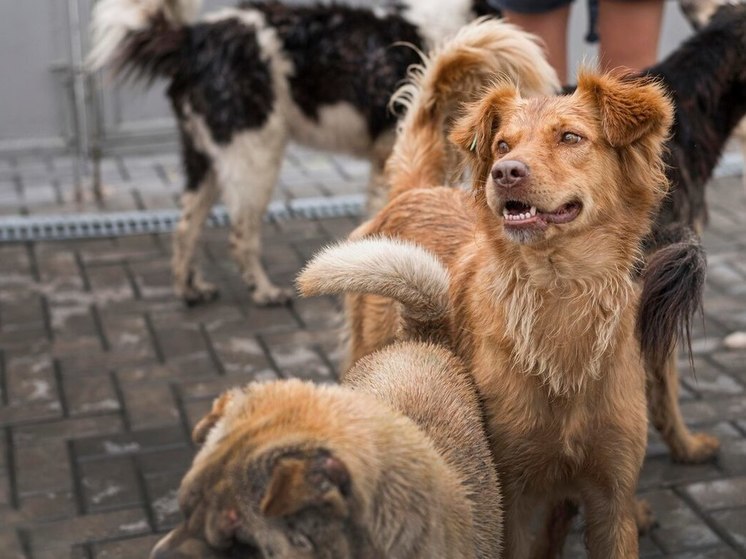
{"x": 503, "y": 147}
{"x": 570, "y": 138}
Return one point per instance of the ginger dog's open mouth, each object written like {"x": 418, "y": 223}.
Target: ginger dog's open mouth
{"x": 522, "y": 215}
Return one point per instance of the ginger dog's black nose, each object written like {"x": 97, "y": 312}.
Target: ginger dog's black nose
{"x": 510, "y": 173}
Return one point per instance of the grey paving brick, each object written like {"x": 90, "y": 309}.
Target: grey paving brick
{"x": 733, "y": 521}
{"x": 150, "y": 405}
{"x": 679, "y": 528}
{"x": 122, "y": 444}
{"x": 110, "y": 483}
{"x": 162, "y": 490}
{"x": 90, "y": 394}
{"x": 60, "y": 536}
{"x": 56, "y": 431}
{"x": 125, "y": 549}
{"x": 719, "y": 494}
{"x": 42, "y": 468}
{"x": 48, "y": 506}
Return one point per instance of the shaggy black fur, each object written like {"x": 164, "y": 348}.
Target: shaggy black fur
{"x": 672, "y": 285}
{"x": 341, "y": 53}
{"x": 215, "y": 67}
{"x": 196, "y": 163}
{"x": 706, "y": 77}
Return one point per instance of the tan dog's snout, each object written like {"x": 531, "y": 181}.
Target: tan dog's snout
{"x": 510, "y": 174}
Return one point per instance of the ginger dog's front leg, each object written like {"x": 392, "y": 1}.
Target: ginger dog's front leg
{"x": 611, "y": 525}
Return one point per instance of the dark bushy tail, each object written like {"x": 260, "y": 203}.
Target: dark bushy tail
{"x": 140, "y": 38}
{"x": 673, "y": 281}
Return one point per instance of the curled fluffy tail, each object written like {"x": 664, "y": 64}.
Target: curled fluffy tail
{"x": 403, "y": 271}
{"x": 480, "y": 53}
{"x": 143, "y": 37}
{"x": 673, "y": 281}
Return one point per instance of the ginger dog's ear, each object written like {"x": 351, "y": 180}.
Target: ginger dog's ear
{"x": 629, "y": 108}
{"x": 297, "y": 483}
{"x": 474, "y": 133}
{"x": 205, "y": 425}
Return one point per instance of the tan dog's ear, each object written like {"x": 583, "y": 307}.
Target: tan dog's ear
{"x": 630, "y": 108}
{"x": 474, "y": 133}
{"x": 205, "y": 425}
{"x": 298, "y": 483}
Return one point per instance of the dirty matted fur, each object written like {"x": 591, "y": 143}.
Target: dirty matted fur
{"x": 544, "y": 300}
{"x": 394, "y": 464}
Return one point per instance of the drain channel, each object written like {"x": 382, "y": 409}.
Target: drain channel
{"x": 115, "y": 224}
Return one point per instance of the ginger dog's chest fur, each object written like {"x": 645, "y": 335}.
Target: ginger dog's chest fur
{"x": 549, "y": 364}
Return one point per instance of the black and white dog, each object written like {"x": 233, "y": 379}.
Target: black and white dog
{"x": 244, "y": 81}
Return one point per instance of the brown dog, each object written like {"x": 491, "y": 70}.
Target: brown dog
{"x": 394, "y": 464}
{"x": 542, "y": 257}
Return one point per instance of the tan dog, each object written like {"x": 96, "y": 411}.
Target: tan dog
{"x": 542, "y": 257}
{"x": 394, "y": 464}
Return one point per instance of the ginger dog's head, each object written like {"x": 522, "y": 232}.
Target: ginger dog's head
{"x": 547, "y": 167}
{"x": 266, "y": 482}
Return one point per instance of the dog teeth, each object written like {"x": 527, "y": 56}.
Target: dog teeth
{"x": 519, "y": 217}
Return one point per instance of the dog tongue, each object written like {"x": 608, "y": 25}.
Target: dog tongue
{"x": 566, "y": 213}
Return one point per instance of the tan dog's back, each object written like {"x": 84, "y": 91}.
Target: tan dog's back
{"x": 429, "y": 385}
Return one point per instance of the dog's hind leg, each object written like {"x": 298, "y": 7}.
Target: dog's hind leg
{"x": 378, "y": 187}
{"x": 248, "y": 171}
{"x": 740, "y": 133}
{"x": 197, "y": 201}
{"x": 663, "y": 399}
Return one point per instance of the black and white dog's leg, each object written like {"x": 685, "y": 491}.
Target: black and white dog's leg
{"x": 196, "y": 202}
{"x": 247, "y": 172}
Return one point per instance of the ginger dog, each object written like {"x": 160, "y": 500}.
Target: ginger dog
{"x": 542, "y": 257}
{"x": 395, "y": 463}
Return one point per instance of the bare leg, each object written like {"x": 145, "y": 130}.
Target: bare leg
{"x": 552, "y": 28}
{"x": 629, "y": 32}
{"x": 663, "y": 400}
{"x": 196, "y": 206}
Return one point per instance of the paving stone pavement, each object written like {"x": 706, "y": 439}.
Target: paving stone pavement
{"x": 39, "y": 185}
{"x": 103, "y": 374}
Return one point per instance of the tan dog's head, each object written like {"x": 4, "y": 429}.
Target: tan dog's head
{"x": 265, "y": 482}
{"x": 546, "y": 167}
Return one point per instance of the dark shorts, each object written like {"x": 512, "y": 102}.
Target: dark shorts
{"x": 528, "y": 6}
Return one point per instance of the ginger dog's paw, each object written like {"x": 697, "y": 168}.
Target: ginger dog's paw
{"x": 272, "y": 296}
{"x": 644, "y": 517}
{"x": 701, "y": 447}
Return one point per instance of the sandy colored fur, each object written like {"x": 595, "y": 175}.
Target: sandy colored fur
{"x": 395, "y": 463}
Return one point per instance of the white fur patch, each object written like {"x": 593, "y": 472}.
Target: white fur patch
{"x": 340, "y": 127}
{"x": 437, "y": 20}
{"x": 112, "y": 20}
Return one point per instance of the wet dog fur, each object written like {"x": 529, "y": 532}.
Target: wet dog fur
{"x": 544, "y": 308}
{"x": 394, "y": 463}
{"x": 245, "y": 81}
